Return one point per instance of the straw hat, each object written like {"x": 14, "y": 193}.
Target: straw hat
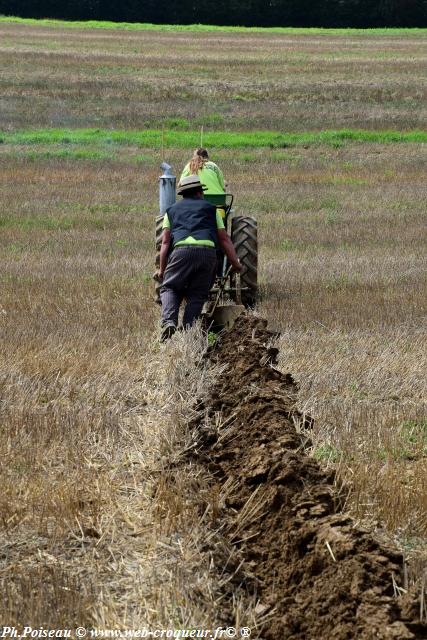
{"x": 191, "y": 182}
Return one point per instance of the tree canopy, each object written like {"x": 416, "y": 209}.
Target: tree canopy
{"x": 261, "y": 13}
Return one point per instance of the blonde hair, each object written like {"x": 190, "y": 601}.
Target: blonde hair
{"x": 197, "y": 162}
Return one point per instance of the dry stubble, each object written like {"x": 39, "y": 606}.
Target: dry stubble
{"x": 85, "y": 406}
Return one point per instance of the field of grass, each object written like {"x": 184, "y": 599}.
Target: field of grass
{"x": 203, "y": 28}
{"x": 157, "y": 139}
{"x": 92, "y": 409}
{"x": 224, "y": 80}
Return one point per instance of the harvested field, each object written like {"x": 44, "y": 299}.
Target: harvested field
{"x": 125, "y": 501}
{"x": 85, "y": 393}
{"x": 118, "y": 79}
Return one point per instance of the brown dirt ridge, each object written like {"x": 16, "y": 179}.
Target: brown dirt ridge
{"x": 314, "y": 573}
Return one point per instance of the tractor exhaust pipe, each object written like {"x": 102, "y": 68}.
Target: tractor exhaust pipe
{"x": 167, "y": 188}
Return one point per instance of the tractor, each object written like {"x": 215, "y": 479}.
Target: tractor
{"x": 231, "y": 292}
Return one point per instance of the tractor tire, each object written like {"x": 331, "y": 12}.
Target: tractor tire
{"x": 244, "y": 235}
{"x": 159, "y": 231}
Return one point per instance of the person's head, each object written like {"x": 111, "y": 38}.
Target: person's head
{"x": 203, "y": 153}
{"x": 190, "y": 187}
{"x": 200, "y": 156}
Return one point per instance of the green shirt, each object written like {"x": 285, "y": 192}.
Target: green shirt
{"x": 210, "y": 176}
{"x": 190, "y": 240}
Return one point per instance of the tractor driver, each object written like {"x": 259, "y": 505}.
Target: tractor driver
{"x": 193, "y": 230}
{"x": 209, "y": 172}
{"x": 210, "y": 176}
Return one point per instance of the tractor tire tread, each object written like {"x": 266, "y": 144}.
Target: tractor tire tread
{"x": 244, "y": 235}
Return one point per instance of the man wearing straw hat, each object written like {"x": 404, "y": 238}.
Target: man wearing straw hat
{"x": 193, "y": 230}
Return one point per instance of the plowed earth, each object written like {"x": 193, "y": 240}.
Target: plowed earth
{"x": 315, "y": 572}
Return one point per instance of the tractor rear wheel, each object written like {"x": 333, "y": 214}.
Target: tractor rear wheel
{"x": 244, "y": 235}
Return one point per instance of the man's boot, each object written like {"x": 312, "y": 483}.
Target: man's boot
{"x": 167, "y": 331}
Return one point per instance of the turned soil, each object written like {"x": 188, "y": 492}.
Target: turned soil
{"x": 315, "y": 574}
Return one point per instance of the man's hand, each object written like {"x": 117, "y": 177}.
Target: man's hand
{"x": 229, "y": 250}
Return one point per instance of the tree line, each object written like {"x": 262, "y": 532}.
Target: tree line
{"x": 260, "y": 13}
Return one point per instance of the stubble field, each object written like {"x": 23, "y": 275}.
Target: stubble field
{"x": 92, "y": 409}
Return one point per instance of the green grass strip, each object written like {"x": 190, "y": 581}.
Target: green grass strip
{"x": 155, "y": 138}
{"x": 139, "y": 26}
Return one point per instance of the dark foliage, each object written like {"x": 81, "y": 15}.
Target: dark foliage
{"x": 296, "y": 13}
